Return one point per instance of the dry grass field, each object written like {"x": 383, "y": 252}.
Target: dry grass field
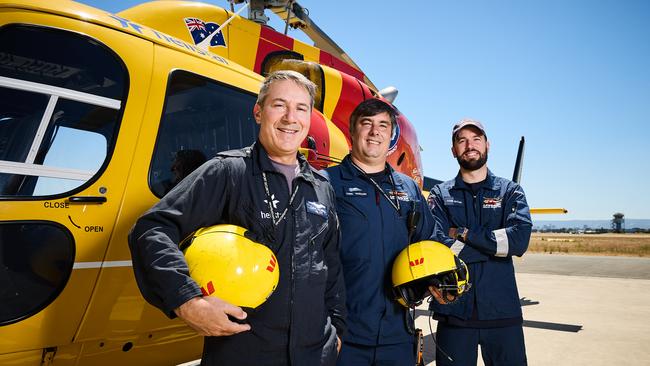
{"x": 633, "y": 245}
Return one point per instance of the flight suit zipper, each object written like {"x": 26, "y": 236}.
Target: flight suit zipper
{"x": 312, "y": 251}
{"x": 383, "y": 256}
{"x": 475, "y": 204}
{"x": 292, "y": 280}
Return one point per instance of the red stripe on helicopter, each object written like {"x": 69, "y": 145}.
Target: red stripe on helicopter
{"x": 333, "y": 62}
{"x": 270, "y": 41}
{"x": 351, "y": 95}
{"x": 278, "y": 38}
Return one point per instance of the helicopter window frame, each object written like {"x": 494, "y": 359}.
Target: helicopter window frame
{"x": 157, "y": 178}
{"x": 57, "y": 96}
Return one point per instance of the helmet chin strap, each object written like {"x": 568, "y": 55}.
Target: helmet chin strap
{"x": 415, "y": 279}
{"x": 412, "y": 221}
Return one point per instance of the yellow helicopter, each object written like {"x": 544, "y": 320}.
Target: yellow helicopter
{"x": 100, "y": 115}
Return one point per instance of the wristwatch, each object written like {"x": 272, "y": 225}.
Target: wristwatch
{"x": 461, "y": 234}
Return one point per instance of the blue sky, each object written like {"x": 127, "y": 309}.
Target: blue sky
{"x": 573, "y": 77}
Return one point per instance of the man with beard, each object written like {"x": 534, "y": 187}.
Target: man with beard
{"x": 485, "y": 220}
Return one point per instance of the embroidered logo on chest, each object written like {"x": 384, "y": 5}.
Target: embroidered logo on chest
{"x": 316, "y": 208}
{"x": 492, "y": 202}
{"x": 400, "y": 195}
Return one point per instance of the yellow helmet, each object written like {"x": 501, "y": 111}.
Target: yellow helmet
{"x": 428, "y": 263}
{"x": 230, "y": 266}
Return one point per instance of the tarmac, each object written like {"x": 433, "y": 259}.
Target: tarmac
{"x": 578, "y": 310}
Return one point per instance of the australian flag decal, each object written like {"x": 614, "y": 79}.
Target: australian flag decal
{"x": 203, "y": 33}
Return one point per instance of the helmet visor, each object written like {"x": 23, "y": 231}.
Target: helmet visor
{"x": 415, "y": 291}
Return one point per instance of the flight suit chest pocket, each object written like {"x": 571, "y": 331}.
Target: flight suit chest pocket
{"x": 450, "y": 201}
{"x": 317, "y": 215}
{"x": 403, "y": 201}
{"x": 355, "y": 191}
{"x": 406, "y": 205}
{"x": 353, "y": 202}
{"x": 492, "y": 209}
{"x": 456, "y": 209}
{"x": 406, "y": 208}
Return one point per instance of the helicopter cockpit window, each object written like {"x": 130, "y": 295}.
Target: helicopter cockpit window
{"x": 59, "y": 112}
{"x": 201, "y": 118}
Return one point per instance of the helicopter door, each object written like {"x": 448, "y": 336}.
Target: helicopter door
{"x": 195, "y": 109}
{"x": 62, "y": 100}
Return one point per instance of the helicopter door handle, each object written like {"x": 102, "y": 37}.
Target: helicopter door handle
{"x": 87, "y": 199}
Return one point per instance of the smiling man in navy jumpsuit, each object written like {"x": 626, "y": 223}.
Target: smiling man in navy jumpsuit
{"x": 373, "y": 202}
{"x": 485, "y": 220}
{"x": 271, "y": 190}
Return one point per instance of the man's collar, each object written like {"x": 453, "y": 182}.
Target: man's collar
{"x": 489, "y": 182}
{"x": 349, "y": 171}
{"x": 305, "y": 169}
{"x": 261, "y": 160}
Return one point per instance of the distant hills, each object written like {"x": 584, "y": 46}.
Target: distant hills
{"x": 591, "y": 224}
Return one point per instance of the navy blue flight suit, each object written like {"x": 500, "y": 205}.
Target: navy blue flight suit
{"x": 299, "y": 322}
{"x": 498, "y": 219}
{"x": 373, "y": 232}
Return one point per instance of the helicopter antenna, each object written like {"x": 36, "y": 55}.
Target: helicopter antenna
{"x": 229, "y": 19}
{"x": 289, "y": 13}
{"x": 294, "y": 15}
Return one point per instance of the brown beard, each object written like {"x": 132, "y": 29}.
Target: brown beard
{"x": 473, "y": 165}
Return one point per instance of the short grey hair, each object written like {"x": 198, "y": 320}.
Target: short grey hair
{"x": 294, "y": 76}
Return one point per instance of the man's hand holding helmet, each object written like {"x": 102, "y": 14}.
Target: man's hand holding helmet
{"x": 233, "y": 271}
{"x": 441, "y": 296}
{"x": 428, "y": 268}
{"x": 208, "y": 316}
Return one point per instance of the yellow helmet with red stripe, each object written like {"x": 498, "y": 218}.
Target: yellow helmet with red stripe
{"x": 428, "y": 264}
{"x": 228, "y": 265}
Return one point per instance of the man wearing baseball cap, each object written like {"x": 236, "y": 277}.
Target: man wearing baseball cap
{"x": 485, "y": 220}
